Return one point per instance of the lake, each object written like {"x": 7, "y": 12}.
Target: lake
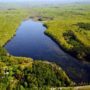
{"x": 30, "y": 41}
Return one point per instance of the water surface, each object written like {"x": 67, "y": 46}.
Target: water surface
{"x": 30, "y": 41}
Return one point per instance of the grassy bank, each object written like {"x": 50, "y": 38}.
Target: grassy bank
{"x": 72, "y": 33}
{"x": 9, "y": 22}
{"x": 71, "y": 37}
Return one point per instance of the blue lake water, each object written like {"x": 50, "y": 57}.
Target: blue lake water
{"x": 30, "y": 41}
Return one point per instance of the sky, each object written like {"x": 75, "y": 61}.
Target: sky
{"x": 41, "y": 0}
{"x": 45, "y": 1}
{"x": 12, "y": 0}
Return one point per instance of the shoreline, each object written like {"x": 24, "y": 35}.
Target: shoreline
{"x": 71, "y": 53}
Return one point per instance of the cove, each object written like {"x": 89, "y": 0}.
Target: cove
{"x": 30, "y": 41}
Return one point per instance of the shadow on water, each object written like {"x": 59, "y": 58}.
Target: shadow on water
{"x": 30, "y": 41}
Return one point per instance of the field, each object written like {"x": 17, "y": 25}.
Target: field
{"x": 68, "y": 25}
{"x": 72, "y": 31}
